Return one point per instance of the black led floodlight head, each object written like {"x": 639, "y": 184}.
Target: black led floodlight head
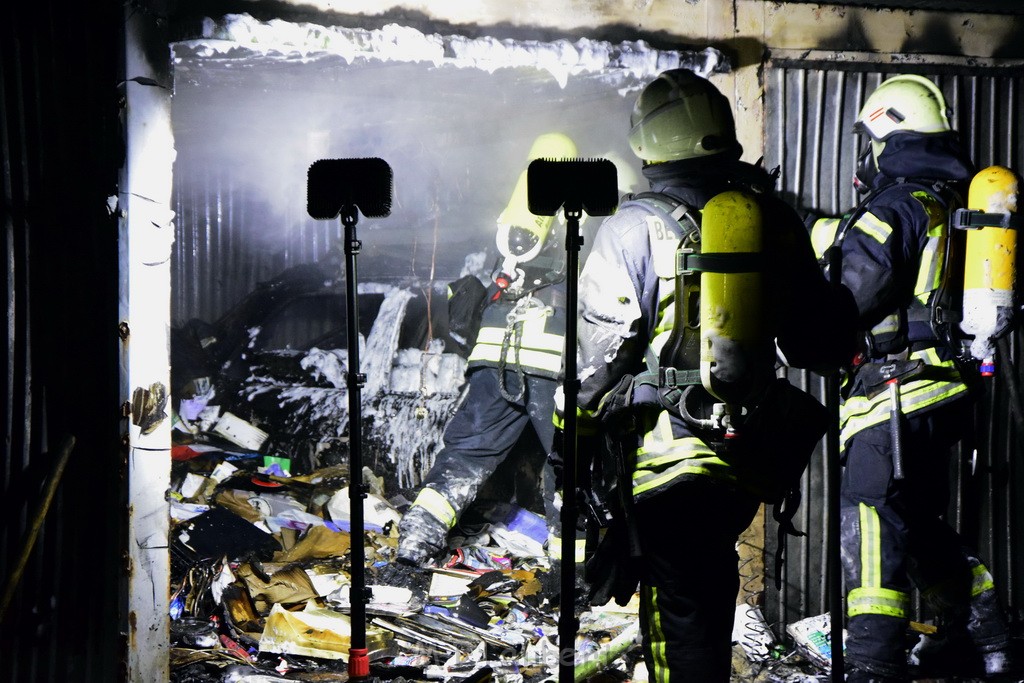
{"x": 589, "y": 185}
{"x": 340, "y": 186}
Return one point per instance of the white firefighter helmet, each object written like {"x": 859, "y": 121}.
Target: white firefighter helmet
{"x": 902, "y": 104}
{"x": 680, "y": 115}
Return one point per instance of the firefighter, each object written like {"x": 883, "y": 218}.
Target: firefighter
{"x": 906, "y": 399}
{"x": 512, "y": 374}
{"x": 679, "y": 371}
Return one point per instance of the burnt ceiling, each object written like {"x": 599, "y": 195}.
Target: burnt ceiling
{"x": 986, "y": 6}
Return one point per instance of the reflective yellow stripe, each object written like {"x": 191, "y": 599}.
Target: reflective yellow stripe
{"x": 542, "y": 360}
{"x": 666, "y": 311}
{"x": 882, "y": 601}
{"x": 437, "y": 505}
{"x": 663, "y": 457}
{"x": 874, "y": 227}
{"x": 646, "y": 481}
{"x": 586, "y": 423}
{"x": 890, "y": 324}
{"x": 860, "y": 412}
{"x": 534, "y": 337}
{"x": 656, "y": 654}
{"x": 660, "y": 443}
{"x": 870, "y": 597}
{"x": 656, "y": 452}
{"x": 555, "y": 548}
{"x": 870, "y": 548}
{"x": 982, "y": 580}
{"x": 823, "y": 234}
{"x": 666, "y": 315}
{"x": 929, "y": 273}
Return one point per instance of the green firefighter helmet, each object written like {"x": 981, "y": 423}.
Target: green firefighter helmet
{"x": 680, "y": 115}
{"x": 902, "y": 104}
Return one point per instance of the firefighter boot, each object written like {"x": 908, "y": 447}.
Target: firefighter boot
{"x": 938, "y": 656}
{"x": 946, "y": 653}
{"x": 855, "y": 674}
{"x": 974, "y": 645}
{"x": 989, "y": 632}
{"x": 421, "y": 537}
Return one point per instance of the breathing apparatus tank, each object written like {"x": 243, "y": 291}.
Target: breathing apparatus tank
{"x": 521, "y": 234}
{"x": 990, "y": 261}
{"x": 733, "y": 334}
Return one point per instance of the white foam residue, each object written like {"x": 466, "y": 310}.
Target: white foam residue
{"x": 383, "y": 340}
{"x": 560, "y": 58}
{"x": 1003, "y": 202}
{"x": 329, "y": 364}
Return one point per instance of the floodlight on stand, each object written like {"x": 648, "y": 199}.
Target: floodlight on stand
{"x": 588, "y": 185}
{"x": 345, "y": 188}
{"x": 575, "y": 186}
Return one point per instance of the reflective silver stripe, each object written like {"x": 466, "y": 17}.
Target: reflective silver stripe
{"x": 874, "y": 227}
{"x": 437, "y": 505}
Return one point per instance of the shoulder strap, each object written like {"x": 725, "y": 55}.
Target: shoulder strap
{"x": 677, "y": 210}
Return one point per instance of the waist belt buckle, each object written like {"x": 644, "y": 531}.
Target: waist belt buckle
{"x": 668, "y": 377}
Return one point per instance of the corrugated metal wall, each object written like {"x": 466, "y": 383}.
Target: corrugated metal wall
{"x": 810, "y": 108}
{"x": 60, "y": 150}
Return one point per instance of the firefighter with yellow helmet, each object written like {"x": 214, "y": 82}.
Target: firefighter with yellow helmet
{"x": 906, "y": 401}
{"x": 512, "y": 374}
{"x": 690, "y": 292}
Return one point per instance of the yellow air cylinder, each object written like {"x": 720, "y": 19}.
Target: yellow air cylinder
{"x": 732, "y": 329}
{"x": 521, "y": 234}
{"x": 990, "y": 262}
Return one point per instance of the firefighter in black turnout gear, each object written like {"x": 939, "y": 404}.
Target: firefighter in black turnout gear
{"x": 513, "y": 370}
{"x": 906, "y": 398}
{"x": 691, "y": 294}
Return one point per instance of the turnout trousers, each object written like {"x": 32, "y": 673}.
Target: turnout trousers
{"x": 480, "y": 436}
{"x": 690, "y": 578}
{"x": 894, "y": 538}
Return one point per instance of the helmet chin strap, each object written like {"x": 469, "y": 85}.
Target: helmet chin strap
{"x": 867, "y": 166}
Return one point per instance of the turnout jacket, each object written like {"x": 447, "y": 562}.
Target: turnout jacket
{"x": 526, "y": 333}
{"x": 893, "y": 261}
{"x": 624, "y": 308}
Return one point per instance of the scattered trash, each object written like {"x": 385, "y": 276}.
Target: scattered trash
{"x": 260, "y": 525}
{"x": 813, "y": 638}
{"x": 752, "y": 633}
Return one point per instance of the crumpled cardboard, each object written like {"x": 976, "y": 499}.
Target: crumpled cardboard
{"x": 314, "y": 632}
{"x": 290, "y": 586}
{"x": 319, "y": 543}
